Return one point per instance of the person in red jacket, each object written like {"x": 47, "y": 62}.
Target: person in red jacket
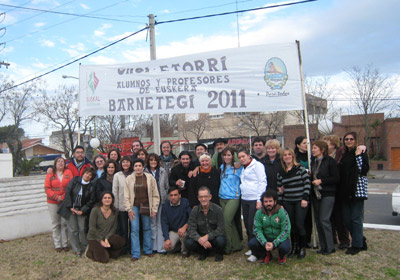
{"x": 78, "y": 162}
{"x": 55, "y": 185}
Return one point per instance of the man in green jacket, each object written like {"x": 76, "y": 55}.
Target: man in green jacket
{"x": 271, "y": 230}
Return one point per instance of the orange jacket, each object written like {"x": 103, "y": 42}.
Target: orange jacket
{"x": 54, "y": 188}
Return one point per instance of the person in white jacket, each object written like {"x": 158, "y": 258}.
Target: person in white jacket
{"x": 253, "y": 185}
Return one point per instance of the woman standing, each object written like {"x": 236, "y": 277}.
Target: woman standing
{"x": 161, "y": 176}
{"x": 79, "y": 200}
{"x": 272, "y": 162}
{"x": 294, "y": 188}
{"x": 325, "y": 176}
{"x": 229, "y": 198}
{"x": 118, "y": 188}
{"x": 99, "y": 161}
{"x": 168, "y": 159}
{"x": 105, "y": 182}
{"x": 300, "y": 151}
{"x": 114, "y": 155}
{"x": 103, "y": 242}
{"x": 141, "y": 200}
{"x": 354, "y": 190}
{"x": 208, "y": 177}
{"x": 55, "y": 186}
{"x": 253, "y": 184}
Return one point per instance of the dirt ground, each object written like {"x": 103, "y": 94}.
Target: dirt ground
{"x": 35, "y": 258}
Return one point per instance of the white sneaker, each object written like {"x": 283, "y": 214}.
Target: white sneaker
{"x": 252, "y": 258}
{"x": 248, "y": 253}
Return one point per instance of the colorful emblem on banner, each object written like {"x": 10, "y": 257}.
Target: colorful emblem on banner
{"x": 275, "y": 73}
{"x": 93, "y": 82}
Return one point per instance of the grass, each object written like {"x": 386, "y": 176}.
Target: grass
{"x": 35, "y": 258}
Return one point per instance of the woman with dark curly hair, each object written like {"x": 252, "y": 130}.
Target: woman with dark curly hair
{"x": 102, "y": 240}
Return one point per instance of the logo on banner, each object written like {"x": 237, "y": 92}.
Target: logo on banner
{"x": 93, "y": 83}
{"x": 275, "y": 73}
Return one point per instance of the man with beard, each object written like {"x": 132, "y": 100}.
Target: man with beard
{"x": 271, "y": 230}
{"x": 179, "y": 173}
{"x": 136, "y": 146}
{"x": 78, "y": 162}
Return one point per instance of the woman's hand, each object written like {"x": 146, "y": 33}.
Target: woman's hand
{"x": 152, "y": 214}
{"x": 281, "y": 189}
{"x": 304, "y": 203}
{"x": 131, "y": 215}
{"x": 317, "y": 182}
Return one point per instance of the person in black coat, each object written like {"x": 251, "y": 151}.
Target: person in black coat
{"x": 324, "y": 177}
{"x": 353, "y": 190}
{"x": 104, "y": 183}
{"x": 272, "y": 163}
{"x": 180, "y": 173}
{"x": 208, "y": 177}
{"x": 76, "y": 207}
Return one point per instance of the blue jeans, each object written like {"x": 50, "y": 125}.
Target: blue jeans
{"x": 260, "y": 252}
{"x": 353, "y": 213}
{"x": 135, "y": 242}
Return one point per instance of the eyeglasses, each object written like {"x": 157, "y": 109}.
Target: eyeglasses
{"x": 348, "y": 139}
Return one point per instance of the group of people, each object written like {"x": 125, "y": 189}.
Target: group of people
{"x": 164, "y": 204}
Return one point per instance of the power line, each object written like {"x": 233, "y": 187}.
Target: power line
{"x": 67, "y": 14}
{"x": 75, "y": 60}
{"x": 145, "y": 28}
{"x": 235, "y": 12}
{"x": 51, "y": 26}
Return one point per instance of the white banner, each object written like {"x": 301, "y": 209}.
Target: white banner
{"x": 248, "y": 79}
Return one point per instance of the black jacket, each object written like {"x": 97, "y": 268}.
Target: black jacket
{"x": 349, "y": 173}
{"x": 328, "y": 173}
{"x": 211, "y": 180}
{"x": 102, "y": 185}
{"x": 72, "y": 191}
{"x": 271, "y": 170}
{"x": 179, "y": 172}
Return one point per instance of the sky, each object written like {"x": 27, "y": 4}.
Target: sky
{"x": 334, "y": 34}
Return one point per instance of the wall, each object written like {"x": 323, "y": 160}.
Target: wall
{"x": 6, "y": 166}
{"x": 23, "y": 211}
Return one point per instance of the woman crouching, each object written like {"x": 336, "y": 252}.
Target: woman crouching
{"x": 103, "y": 242}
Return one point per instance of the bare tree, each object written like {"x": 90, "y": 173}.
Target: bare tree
{"x": 18, "y": 102}
{"x": 60, "y": 110}
{"x": 3, "y": 96}
{"x": 195, "y": 127}
{"x": 274, "y": 122}
{"x": 109, "y": 129}
{"x": 370, "y": 92}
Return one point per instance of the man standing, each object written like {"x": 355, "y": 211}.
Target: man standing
{"x": 271, "y": 230}
{"x": 136, "y": 146}
{"x": 174, "y": 221}
{"x": 78, "y": 162}
{"x": 258, "y": 145}
{"x": 179, "y": 173}
{"x": 199, "y": 149}
{"x": 206, "y": 227}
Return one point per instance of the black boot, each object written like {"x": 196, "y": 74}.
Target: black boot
{"x": 302, "y": 252}
{"x": 364, "y": 246}
{"x": 294, "y": 249}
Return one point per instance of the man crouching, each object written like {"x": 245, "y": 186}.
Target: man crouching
{"x": 271, "y": 230}
{"x": 206, "y": 227}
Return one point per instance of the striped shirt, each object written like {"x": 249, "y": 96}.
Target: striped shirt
{"x": 296, "y": 184}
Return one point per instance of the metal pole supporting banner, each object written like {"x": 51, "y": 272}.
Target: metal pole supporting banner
{"x": 156, "y": 117}
{"x": 314, "y": 230}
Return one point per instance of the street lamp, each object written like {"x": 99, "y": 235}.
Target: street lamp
{"x": 79, "y": 118}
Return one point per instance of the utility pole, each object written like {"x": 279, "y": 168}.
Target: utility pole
{"x": 156, "y": 117}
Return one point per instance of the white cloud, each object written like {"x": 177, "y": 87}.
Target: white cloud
{"x": 85, "y": 7}
{"x": 100, "y": 32}
{"x": 166, "y": 11}
{"x": 8, "y": 49}
{"x": 40, "y": 24}
{"x": 75, "y": 50}
{"x": 102, "y": 60}
{"x": 47, "y": 43}
{"x": 40, "y": 65}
